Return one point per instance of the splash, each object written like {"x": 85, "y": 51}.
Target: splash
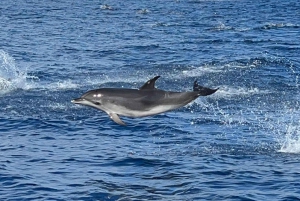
{"x": 11, "y": 77}
{"x": 291, "y": 142}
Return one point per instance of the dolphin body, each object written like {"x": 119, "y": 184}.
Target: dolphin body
{"x": 142, "y": 102}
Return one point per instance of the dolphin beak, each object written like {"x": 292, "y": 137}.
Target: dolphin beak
{"x": 77, "y": 100}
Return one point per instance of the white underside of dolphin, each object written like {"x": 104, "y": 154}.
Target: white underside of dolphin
{"x": 142, "y": 102}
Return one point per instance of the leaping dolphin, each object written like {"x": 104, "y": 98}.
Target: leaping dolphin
{"x": 142, "y": 102}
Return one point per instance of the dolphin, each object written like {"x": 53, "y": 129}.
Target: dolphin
{"x": 142, "y": 102}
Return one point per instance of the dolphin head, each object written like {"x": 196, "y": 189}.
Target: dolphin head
{"x": 83, "y": 101}
{"x": 91, "y": 98}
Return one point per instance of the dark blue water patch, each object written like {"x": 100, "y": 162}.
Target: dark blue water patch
{"x": 98, "y": 196}
{"x": 292, "y": 197}
{"x": 8, "y": 180}
{"x": 48, "y": 138}
{"x": 140, "y": 162}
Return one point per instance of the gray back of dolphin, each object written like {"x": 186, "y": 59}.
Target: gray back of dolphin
{"x": 142, "y": 102}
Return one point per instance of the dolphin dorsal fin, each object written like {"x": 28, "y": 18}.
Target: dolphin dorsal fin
{"x": 150, "y": 84}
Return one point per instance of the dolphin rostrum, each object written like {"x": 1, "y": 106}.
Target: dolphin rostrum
{"x": 142, "y": 102}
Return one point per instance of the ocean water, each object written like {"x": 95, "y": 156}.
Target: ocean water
{"x": 241, "y": 143}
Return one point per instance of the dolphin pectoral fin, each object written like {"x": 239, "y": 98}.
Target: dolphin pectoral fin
{"x": 150, "y": 84}
{"x": 116, "y": 119}
{"x": 203, "y": 91}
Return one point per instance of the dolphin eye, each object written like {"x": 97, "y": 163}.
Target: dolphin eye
{"x": 97, "y": 95}
{"x": 97, "y": 103}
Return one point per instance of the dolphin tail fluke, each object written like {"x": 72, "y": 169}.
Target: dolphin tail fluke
{"x": 203, "y": 91}
{"x": 116, "y": 119}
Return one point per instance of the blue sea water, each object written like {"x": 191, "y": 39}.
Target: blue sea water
{"x": 241, "y": 143}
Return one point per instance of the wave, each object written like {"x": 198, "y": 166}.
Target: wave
{"x": 13, "y": 77}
